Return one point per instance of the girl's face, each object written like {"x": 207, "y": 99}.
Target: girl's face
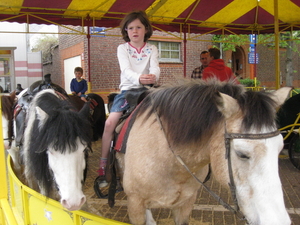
{"x": 136, "y": 31}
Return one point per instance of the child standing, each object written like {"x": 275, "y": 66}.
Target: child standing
{"x": 78, "y": 85}
{"x": 139, "y": 66}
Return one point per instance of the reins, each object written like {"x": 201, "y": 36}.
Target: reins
{"x": 228, "y": 137}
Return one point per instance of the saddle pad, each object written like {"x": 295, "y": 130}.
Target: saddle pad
{"x": 120, "y": 139}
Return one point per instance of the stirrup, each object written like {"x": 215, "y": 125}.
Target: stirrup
{"x": 98, "y": 185}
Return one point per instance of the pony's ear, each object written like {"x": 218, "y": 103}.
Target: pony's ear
{"x": 280, "y": 95}
{"x": 85, "y": 110}
{"x": 41, "y": 114}
{"x": 228, "y": 105}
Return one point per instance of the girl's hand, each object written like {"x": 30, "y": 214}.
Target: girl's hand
{"x": 147, "y": 79}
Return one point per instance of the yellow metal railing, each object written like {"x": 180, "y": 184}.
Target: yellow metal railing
{"x": 291, "y": 128}
{"x": 31, "y": 207}
{"x": 6, "y": 214}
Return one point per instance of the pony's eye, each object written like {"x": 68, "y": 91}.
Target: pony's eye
{"x": 242, "y": 155}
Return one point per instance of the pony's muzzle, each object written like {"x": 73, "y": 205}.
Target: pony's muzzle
{"x": 73, "y": 206}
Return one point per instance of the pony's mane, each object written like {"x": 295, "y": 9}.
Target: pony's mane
{"x": 7, "y": 102}
{"x": 60, "y": 130}
{"x": 259, "y": 111}
{"x": 189, "y": 112}
{"x": 63, "y": 125}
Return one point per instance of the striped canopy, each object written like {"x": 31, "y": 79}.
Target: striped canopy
{"x": 192, "y": 16}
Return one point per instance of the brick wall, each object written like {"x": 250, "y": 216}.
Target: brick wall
{"x": 266, "y": 66}
{"x": 54, "y": 68}
{"x": 105, "y": 72}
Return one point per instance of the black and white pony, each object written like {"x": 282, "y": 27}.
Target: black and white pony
{"x": 55, "y": 148}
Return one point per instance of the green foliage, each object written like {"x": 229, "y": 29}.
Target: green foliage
{"x": 285, "y": 40}
{"x": 45, "y": 44}
{"x": 249, "y": 82}
{"x": 229, "y": 42}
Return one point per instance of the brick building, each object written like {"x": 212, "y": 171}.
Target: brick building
{"x": 105, "y": 73}
{"x": 17, "y": 64}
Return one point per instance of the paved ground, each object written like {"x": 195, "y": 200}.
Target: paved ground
{"x": 206, "y": 210}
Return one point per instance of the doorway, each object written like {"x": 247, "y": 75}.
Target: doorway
{"x": 69, "y": 66}
{"x": 239, "y": 62}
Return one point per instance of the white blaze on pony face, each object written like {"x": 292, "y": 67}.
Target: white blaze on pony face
{"x": 259, "y": 191}
{"x": 68, "y": 171}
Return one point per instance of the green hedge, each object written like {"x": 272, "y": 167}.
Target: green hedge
{"x": 249, "y": 82}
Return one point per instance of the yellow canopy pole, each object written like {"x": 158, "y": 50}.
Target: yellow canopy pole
{"x": 277, "y": 59}
{"x": 89, "y": 53}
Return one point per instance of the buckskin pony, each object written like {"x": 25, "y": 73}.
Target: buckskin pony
{"x": 177, "y": 131}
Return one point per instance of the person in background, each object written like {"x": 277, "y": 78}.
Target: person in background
{"x": 216, "y": 67}
{"x": 139, "y": 66}
{"x": 197, "y": 72}
{"x": 19, "y": 89}
{"x": 78, "y": 85}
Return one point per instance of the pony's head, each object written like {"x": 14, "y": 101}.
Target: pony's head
{"x": 254, "y": 149}
{"x": 56, "y": 141}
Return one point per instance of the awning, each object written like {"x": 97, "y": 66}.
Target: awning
{"x": 183, "y": 16}
{"x": 193, "y": 16}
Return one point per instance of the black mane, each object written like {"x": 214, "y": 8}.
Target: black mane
{"x": 189, "y": 112}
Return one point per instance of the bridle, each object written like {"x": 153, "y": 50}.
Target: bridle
{"x": 228, "y": 137}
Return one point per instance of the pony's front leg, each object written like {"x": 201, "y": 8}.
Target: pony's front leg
{"x": 137, "y": 211}
{"x": 149, "y": 218}
{"x": 182, "y": 213}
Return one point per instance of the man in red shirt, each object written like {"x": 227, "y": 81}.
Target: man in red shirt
{"x": 216, "y": 67}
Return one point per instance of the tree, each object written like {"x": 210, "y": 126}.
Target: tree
{"x": 45, "y": 44}
{"x": 229, "y": 42}
{"x": 288, "y": 40}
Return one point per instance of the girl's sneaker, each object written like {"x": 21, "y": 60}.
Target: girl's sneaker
{"x": 101, "y": 173}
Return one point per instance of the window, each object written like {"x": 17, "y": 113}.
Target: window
{"x": 168, "y": 51}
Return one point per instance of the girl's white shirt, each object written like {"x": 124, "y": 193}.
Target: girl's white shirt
{"x": 134, "y": 63}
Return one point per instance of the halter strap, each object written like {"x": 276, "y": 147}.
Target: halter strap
{"x": 251, "y": 136}
{"x": 228, "y": 137}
